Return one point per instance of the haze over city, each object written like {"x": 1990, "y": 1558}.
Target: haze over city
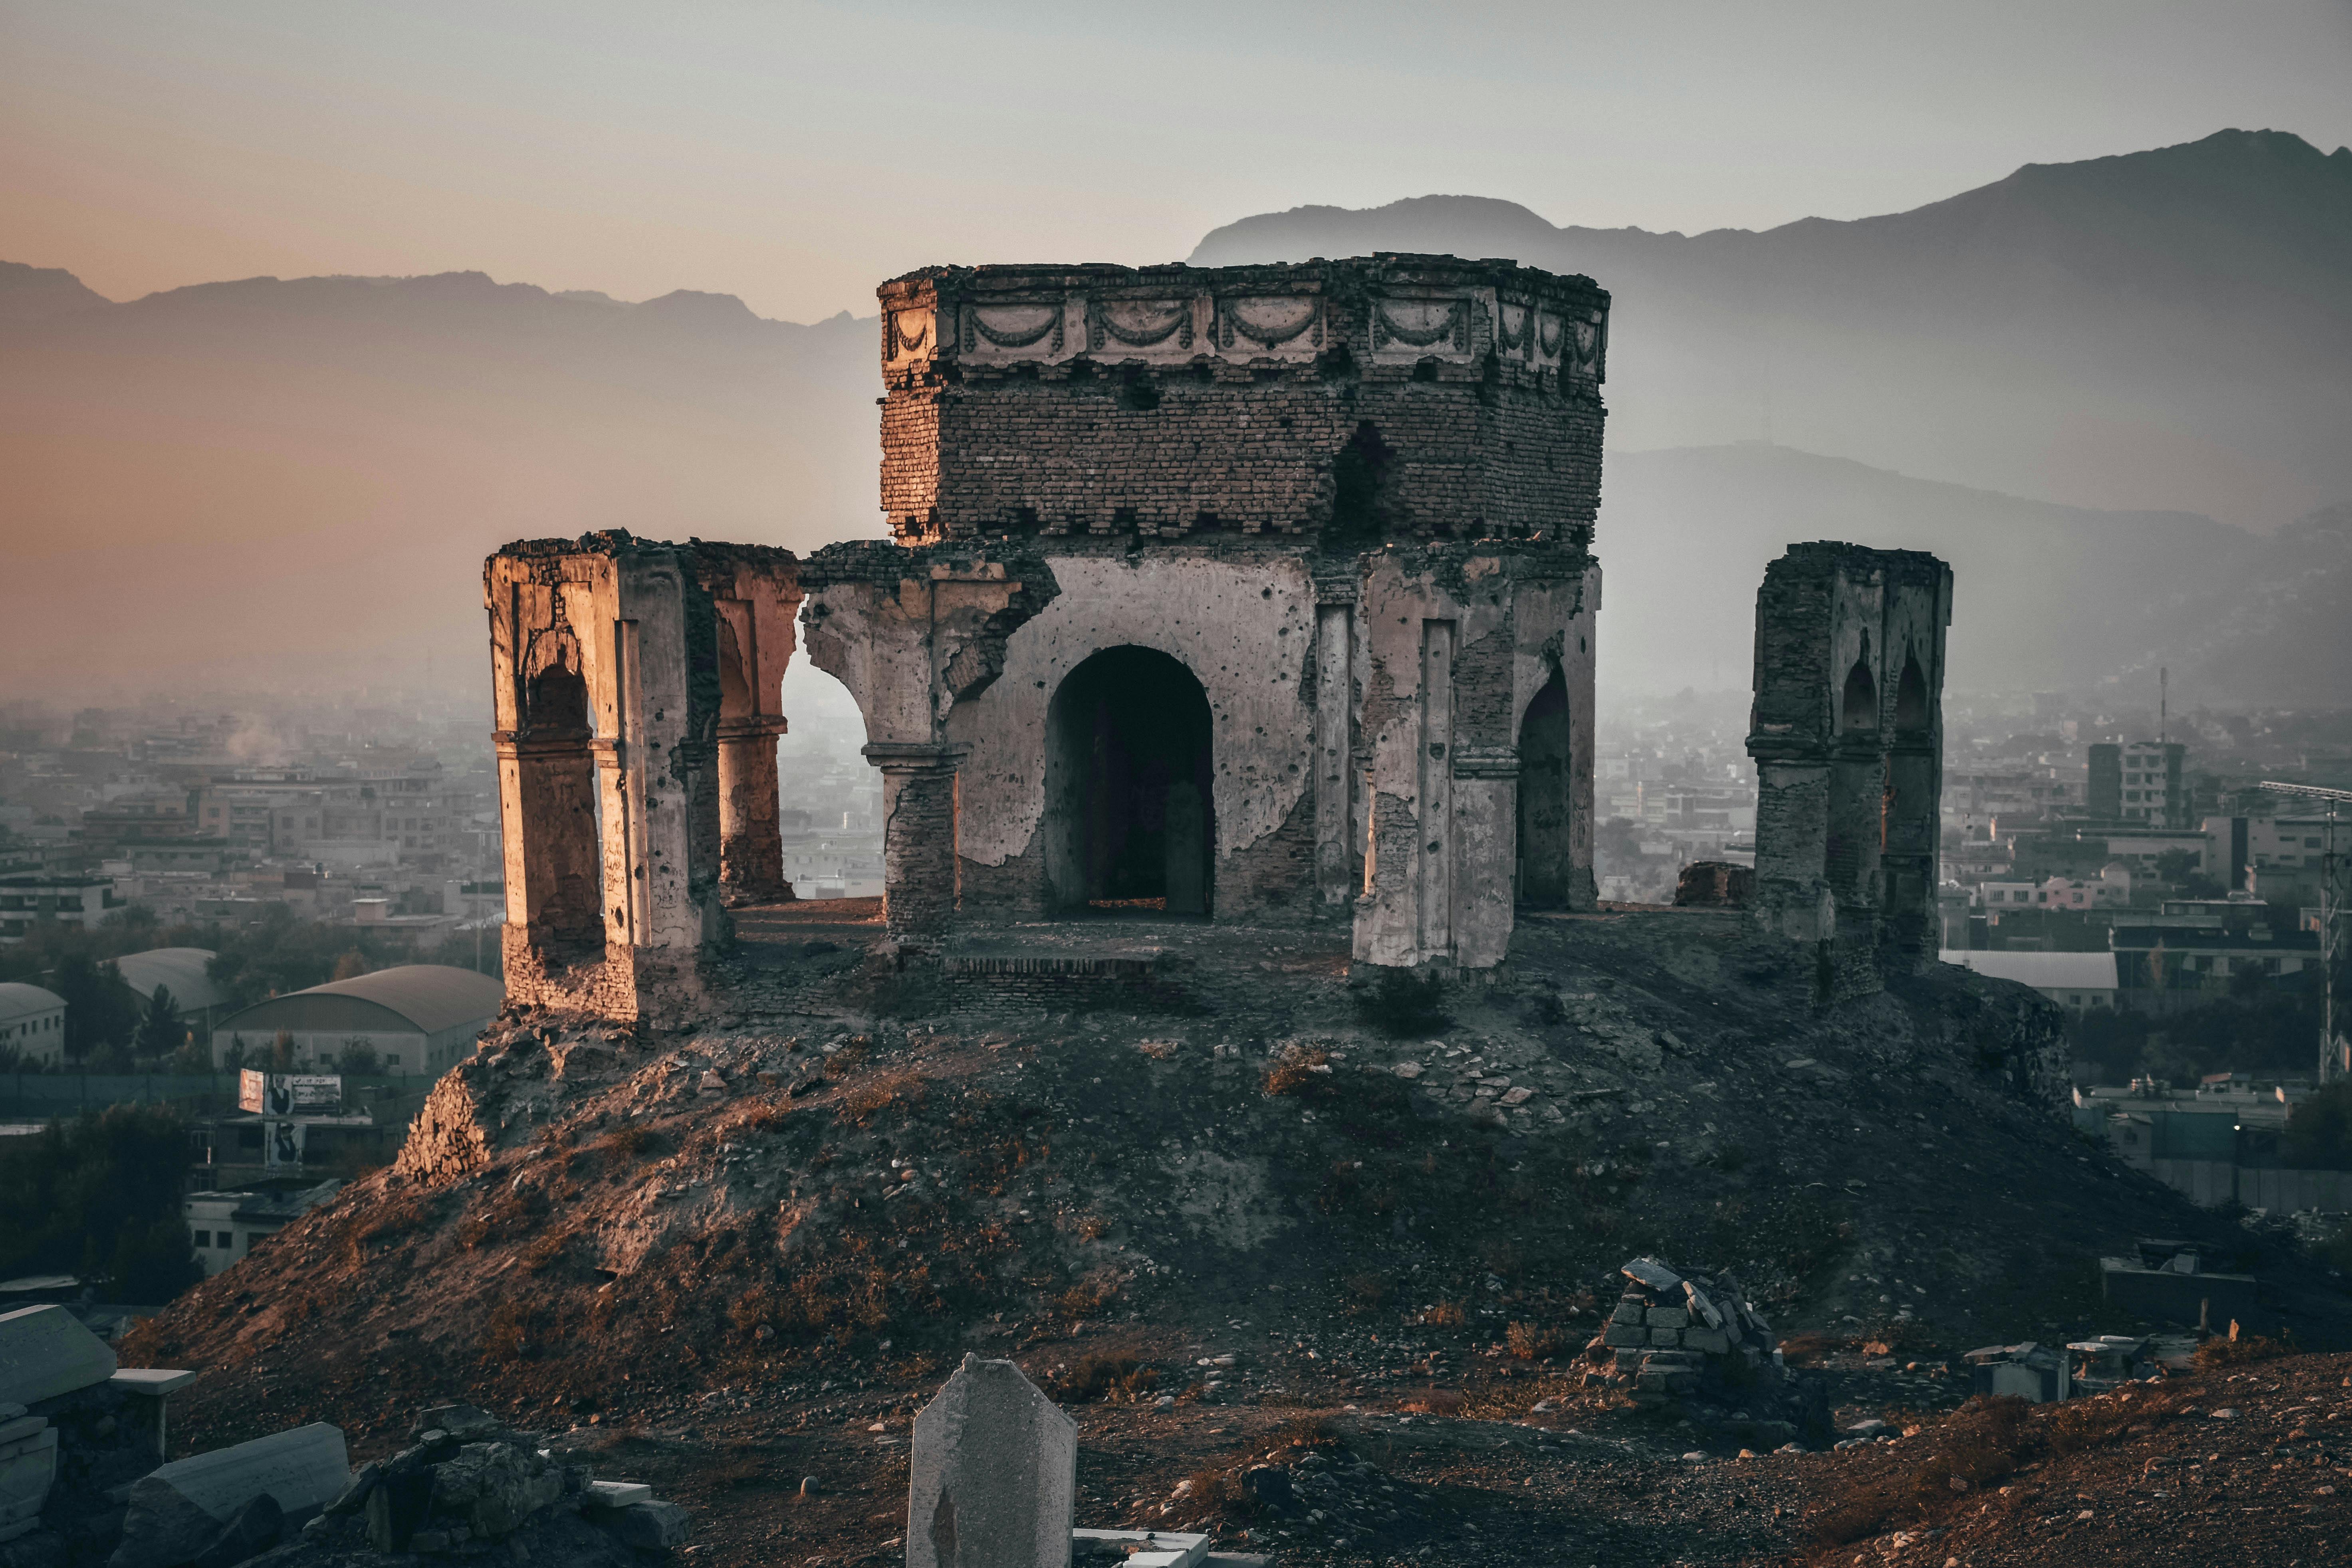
{"x": 1273, "y": 786}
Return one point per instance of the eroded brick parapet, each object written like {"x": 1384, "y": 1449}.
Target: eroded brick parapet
{"x": 1847, "y": 736}
{"x": 1390, "y": 397}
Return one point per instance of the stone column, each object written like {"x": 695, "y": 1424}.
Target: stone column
{"x": 1793, "y": 846}
{"x": 1334, "y": 631}
{"x": 751, "y": 844}
{"x": 1486, "y": 847}
{"x": 1434, "y": 857}
{"x": 1914, "y": 822}
{"x": 548, "y": 797}
{"x": 918, "y": 834}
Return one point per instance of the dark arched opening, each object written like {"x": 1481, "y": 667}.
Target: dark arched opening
{"x": 1129, "y": 814}
{"x": 1544, "y": 863}
{"x": 561, "y": 830}
{"x": 1859, "y": 709}
{"x": 1911, "y": 699}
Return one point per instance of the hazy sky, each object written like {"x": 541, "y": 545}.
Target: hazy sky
{"x": 796, "y": 153}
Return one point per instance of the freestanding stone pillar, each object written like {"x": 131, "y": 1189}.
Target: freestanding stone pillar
{"x": 992, "y": 1477}
{"x": 1847, "y": 735}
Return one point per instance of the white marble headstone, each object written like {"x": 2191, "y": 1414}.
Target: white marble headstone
{"x": 304, "y": 1466}
{"x": 993, "y": 1474}
{"x": 46, "y": 1352}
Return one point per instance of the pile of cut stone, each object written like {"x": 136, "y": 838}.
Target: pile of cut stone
{"x": 468, "y": 1482}
{"x": 1672, "y": 1337}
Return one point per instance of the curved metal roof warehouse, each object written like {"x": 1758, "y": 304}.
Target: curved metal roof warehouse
{"x": 438, "y": 1006}
{"x": 183, "y": 971}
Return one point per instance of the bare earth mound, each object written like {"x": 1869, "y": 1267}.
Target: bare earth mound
{"x": 1312, "y": 1266}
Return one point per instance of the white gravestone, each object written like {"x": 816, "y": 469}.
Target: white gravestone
{"x": 28, "y": 1463}
{"x": 46, "y": 1352}
{"x": 303, "y": 1468}
{"x": 993, "y": 1474}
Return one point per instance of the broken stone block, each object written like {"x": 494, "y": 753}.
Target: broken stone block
{"x": 1649, "y": 1272}
{"x": 252, "y": 1530}
{"x": 162, "y": 1527}
{"x": 1668, "y": 1317}
{"x": 657, "y": 1526}
{"x": 45, "y": 1351}
{"x": 1702, "y": 1307}
{"x": 617, "y": 1494}
{"x": 494, "y": 1487}
{"x": 1624, "y": 1334}
{"x": 1628, "y": 1311}
{"x": 304, "y": 1468}
{"x": 29, "y": 1465}
{"x": 1666, "y": 1336}
{"x": 1709, "y": 1339}
{"x": 992, "y": 1478}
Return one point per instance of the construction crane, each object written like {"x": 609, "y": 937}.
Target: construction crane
{"x": 2334, "y": 1057}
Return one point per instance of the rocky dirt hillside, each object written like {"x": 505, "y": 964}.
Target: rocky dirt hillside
{"x": 1274, "y": 1227}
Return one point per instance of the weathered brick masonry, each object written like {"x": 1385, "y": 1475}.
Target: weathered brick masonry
{"x": 1290, "y": 557}
{"x": 1263, "y": 595}
{"x": 1848, "y": 733}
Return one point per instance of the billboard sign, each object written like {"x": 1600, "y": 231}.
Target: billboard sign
{"x": 289, "y": 1094}
{"x": 285, "y": 1141}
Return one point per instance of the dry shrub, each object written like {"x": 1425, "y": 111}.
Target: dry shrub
{"x": 1306, "y": 1432}
{"x": 870, "y": 1096}
{"x": 765, "y": 1116}
{"x": 2216, "y": 1354}
{"x": 1303, "y": 1075}
{"x": 626, "y": 1142}
{"x": 1088, "y": 1297}
{"x": 1535, "y": 1342}
{"x": 545, "y": 1251}
{"x": 1442, "y": 1315}
{"x": 1807, "y": 1347}
{"x": 517, "y": 1327}
{"x": 1218, "y": 1494}
{"x": 1094, "y": 1227}
{"x": 1438, "y": 1402}
{"x": 1367, "y": 1292}
{"x": 385, "y": 1228}
{"x": 848, "y": 1060}
{"x": 1113, "y": 1380}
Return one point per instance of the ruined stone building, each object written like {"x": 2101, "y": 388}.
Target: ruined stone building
{"x": 1263, "y": 594}
{"x": 1847, "y": 732}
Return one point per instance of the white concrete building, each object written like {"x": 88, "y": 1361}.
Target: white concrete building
{"x": 2078, "y": 981}
{"x": 32, "y": 1024}
{"x": 416, "y": 1018}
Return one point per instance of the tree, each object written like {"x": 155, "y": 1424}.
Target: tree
{"x": 2319, "y": 1130}
{"x": 160, "y": 1031}
{"x": 281, "y": 1052}
{"x": 101, "y": 1010}
{"x": 350, "y": 965}
{"x": 100, "y": 1193}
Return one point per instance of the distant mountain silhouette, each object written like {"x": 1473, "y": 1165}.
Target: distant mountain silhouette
{"x": 2045, "y": 596}
{"x": 2164, "y": 329}
{"x": 293, "y": 482}
{"x": 284, "y": 481}
{"x": 36, "y": 293}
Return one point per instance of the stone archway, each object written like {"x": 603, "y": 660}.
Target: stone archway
{"x": 1131, "y": 819}
{"x": 1546, "y": 862}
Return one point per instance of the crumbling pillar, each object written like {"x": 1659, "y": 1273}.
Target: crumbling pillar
{"x": 919, "y": 835}
{"x": 1335, "y": 704}
{"x": 606, "y": 659}
{"x": 750, "y": 842}
{"x": 1846, "y": 732}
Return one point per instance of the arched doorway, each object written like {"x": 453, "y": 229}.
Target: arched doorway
{"x": 1129, "y": 812}
{"x": 1545, "y": 865}
{"x": 563, "y": 875}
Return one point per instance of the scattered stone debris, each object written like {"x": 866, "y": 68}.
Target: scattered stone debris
{"x": 1673, "y": 1337}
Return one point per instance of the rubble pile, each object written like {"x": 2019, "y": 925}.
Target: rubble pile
{"x": 470, "y": 1482}
{"x": 1673, "y": 1338}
